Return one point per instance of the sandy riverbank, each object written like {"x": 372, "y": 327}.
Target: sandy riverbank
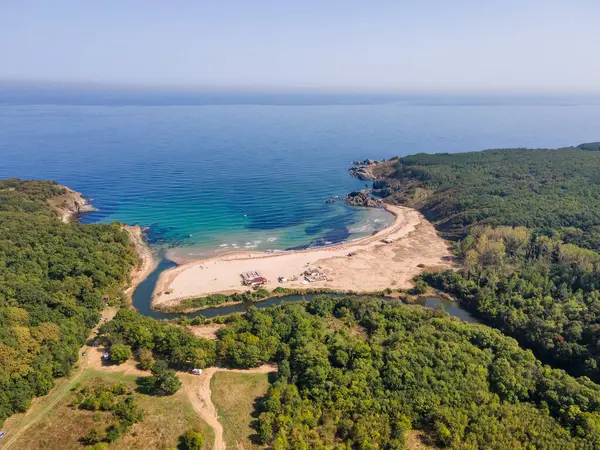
{"x": 374, "y": 266}
{"x": 148, "y": 261}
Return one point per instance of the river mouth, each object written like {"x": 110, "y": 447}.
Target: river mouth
{"x": 142, "y": 296}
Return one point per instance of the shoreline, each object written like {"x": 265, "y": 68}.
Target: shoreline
{"x": 172, "y": 309}
{"x": 147, "y": 257}
{"x": 368, "y": 264}
{"x": 70, "y": 205}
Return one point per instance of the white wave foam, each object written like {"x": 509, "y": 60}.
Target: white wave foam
{"x": 362, "y": 229}
{"x": 271, "y": 239}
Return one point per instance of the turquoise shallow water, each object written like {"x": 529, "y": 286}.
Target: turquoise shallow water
{"x": 207, "y": 177}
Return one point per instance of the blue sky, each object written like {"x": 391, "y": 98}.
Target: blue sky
{"x": 422, "y": 45}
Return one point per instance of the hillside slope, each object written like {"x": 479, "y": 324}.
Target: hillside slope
{"x": 53, "y": 276}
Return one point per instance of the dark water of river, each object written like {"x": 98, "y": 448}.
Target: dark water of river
{"x": 143, "y": 294}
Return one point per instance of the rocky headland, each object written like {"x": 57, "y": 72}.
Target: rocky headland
{"x": 378, "y": 172}
{"x": 71, "y": 205}
{"x": 363, "y": 170}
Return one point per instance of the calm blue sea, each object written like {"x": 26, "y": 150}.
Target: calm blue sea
{"x": 213, "y": 173}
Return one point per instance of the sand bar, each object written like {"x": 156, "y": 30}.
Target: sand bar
{"x": 147, "y": 260}
{"x": 374, "y": 264}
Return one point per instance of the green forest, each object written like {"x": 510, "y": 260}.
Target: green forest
{"x": 53, "y": 277}
{"x": 355, "y": 373}
{"x": 358, "y": 374}
{"x": 526, "y": 225}
{"x": 549, "y": 189}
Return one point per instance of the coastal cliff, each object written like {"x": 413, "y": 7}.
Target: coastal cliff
{"x": 70, "y": 205}
{"x": 378, "y": 172}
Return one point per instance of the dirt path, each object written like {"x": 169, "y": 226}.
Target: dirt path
{"x": 39, "y": 408}
{"x": 35, "y": 413}
{"x": 196, "y": 387}
{"x": 200, "y": 395}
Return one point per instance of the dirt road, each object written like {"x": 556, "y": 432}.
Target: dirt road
{"x": 198, "y": 389}
{"x": 43, "y": 405}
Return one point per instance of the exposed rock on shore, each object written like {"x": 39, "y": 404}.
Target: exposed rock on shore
{"x": 363, "y": 170}
{"x": 371, "y": 169}
{"x": 383, "y": 186}
{"x": 71, "y": 205}
{"x": 363, "y": 198}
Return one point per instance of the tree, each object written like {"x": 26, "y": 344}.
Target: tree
{"x": 119, "y": 353}
{"x": 169, "y": 383}
{"x": 94, "y": 436}
{"x": 145, "y": 358}
{"x": 420, "y": 287}
{"x": 164, "y": 381}
{"x": 192, "y": 440}
{"x": 52, "y": 279}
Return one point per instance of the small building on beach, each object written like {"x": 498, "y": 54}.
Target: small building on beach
{"x": 253, "y": 279}
{"x": 313, "y": 275}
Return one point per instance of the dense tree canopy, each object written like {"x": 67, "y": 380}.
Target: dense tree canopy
{"x": 52, "y": 279}
{"x": 529, "y": 228}
{"x": 175, "y": 345}
{"x": 519, "y": 187}
{"x": 359, "y": 374}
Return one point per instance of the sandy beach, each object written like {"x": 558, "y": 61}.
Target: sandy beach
{"x": 411, "y": 244}
{"x": 148, "y": 262}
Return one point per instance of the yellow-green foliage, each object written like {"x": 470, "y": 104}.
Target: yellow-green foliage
{"x": 52, "y": 278}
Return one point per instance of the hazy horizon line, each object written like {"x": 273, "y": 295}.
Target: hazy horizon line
{"x": 281, "y": 89}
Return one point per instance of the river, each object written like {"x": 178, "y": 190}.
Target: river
{"x": 143, "y": 294}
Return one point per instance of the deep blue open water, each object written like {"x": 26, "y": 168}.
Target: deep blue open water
{"x": 211, "y": 174}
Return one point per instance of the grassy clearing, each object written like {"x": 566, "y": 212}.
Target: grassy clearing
{"x": 166, "y": 418}
{"x": 61, "y": 426}
{"x": 418, "y": 440}
{"x": 234, "y": 395}
{"x": 20, "y": 424}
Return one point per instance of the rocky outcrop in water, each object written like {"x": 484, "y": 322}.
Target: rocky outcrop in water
{"x": 363, "y": 198}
